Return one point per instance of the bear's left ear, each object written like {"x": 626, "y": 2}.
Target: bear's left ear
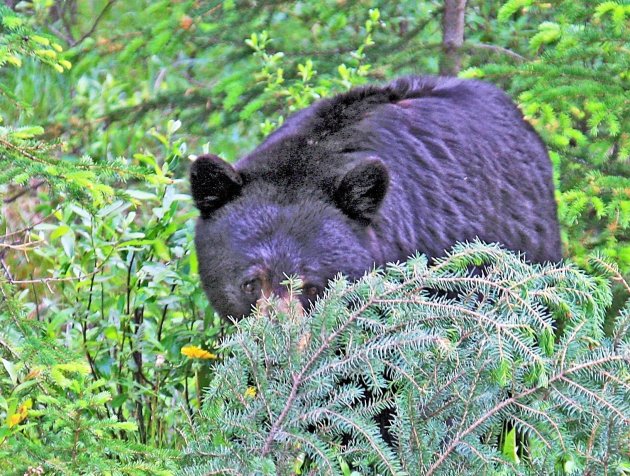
{"x": 213, "y": 183}
{"x": 360, "y": 190}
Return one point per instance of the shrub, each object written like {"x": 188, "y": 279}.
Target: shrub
{"x": 463, "y": 353}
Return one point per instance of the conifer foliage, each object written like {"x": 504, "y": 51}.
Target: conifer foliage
{"x": 574, "y": 88}
{"x": 462, "y": 352}
{"x": 56, "y": 420}
{"x": 22, "y": 156}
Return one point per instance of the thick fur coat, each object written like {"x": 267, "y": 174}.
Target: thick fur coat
{"x": 369, "y": 177}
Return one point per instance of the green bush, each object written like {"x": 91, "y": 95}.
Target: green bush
{"x": 291, "y": 386}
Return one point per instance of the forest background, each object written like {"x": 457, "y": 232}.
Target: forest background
{"x": 106, "y": 338}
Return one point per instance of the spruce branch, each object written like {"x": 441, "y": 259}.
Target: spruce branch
{"x": 450, "y": 370}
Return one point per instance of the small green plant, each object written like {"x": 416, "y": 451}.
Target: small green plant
{"x": 55, "y": 416}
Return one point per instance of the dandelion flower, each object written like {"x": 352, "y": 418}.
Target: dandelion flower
{"x": 194, "y": 352}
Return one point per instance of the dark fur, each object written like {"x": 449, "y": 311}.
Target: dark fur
{"x": 372, "y": 176}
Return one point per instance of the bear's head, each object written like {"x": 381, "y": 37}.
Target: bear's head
{"x": 253, "y": 232}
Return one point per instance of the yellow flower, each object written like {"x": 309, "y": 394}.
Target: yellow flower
{"x": 14, "y": 419}
{"x": 250, "y": 392}
{"x": 19, "y": 416}
{"x": 194, "y": 352}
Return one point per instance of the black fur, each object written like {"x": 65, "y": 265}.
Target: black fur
{"x": 372, "y": 176}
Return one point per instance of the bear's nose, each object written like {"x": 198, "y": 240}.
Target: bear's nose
{"x": 272, "y": 290}
{"x": 284, "y": 303}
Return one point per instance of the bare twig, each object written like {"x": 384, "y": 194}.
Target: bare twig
{"x": 95, "y": 24}
{"x": 496, "y": 49}
{"x": 30, "y": 227}
{"x": 24, "y": 191}
{"x": 20, "y": 246}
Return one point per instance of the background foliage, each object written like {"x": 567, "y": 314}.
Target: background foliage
{"x": 102, "y": 101}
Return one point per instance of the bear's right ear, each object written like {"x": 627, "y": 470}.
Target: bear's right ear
{"x": 360, "y": 191}
{"x": 213, "y": 182}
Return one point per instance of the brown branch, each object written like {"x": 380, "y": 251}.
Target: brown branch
{"x": 17, "y": 246}
{"x": 299, "y": 378}
{"x": 26, "y": 154}
{"x": 496, "y": 49}
{"x": 53, "y": 280}
{"x": 26, "y": 190}
{"x": 31, "y": 226}
{"x": 6, "y": 270}
{"x": 95, "y": 24}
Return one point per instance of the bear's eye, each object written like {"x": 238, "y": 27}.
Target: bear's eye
{"x": 251, "y": 286}
{"x": 311, "y": 291}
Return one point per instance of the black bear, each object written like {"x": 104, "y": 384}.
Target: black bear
{"x": 369, "y": 177}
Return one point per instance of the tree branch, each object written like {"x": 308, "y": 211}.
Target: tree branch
{"x": 95, "y": 24}
{"x": 496, "y": 49}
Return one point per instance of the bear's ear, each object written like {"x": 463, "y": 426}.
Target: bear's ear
{"x": 360, "y": 189}
{"x": 213, "y": 182}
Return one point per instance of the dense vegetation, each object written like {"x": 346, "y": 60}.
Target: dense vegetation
{"x": 106, "y": 340}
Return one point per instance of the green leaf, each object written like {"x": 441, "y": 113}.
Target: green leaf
{"x": 60, "y": 231}
{"x": 67, "y": 243}
{"x": 79, "y": 367}
{"x": 161, "y": 250}
{"x": 11, "y": 370}
{"x": 510, "y": 448}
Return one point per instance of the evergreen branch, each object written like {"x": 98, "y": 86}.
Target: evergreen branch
{"x": 613, "y": 271}
{"x": 543, "y": 416}
{"x": 506, "y": 403}
{"x": 449, "y": 370}
{"x": 499, "y": 287}
{"x": 603, "y": 402}
{"x": 575, "y": 332}
{"x": 323, "y": 457}
{"x": 462, "y": 312}
{"x": 570, "y": 402}
{"x": 495, "y": 410}
{"x": 23, "y": 152}
{"x": 382, "y": 457}
{"x": 297, "y": 380}
{"x": 495, "y": 49}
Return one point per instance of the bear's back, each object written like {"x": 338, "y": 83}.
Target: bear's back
{"x": 462, "y": 161}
